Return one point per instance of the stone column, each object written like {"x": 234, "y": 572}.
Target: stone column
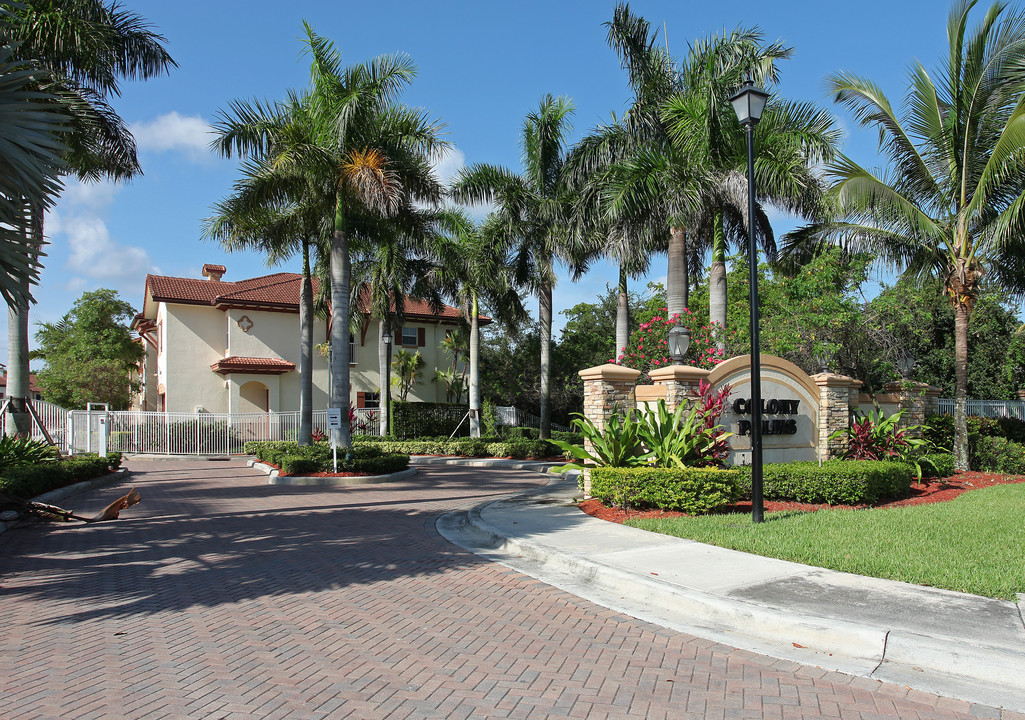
{"x": 838, "y": 396}
{"x": 916, "y": 400}
{"x": 680, "y": 381}
{"x": 608, "y": 391}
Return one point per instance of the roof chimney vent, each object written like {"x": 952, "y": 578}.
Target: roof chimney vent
{"x": 213, "y": 272}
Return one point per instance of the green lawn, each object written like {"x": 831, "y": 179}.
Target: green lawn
{"x": 972, "y": 544}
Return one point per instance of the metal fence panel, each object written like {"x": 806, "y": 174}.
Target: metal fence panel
{"x": 986, "y": 408}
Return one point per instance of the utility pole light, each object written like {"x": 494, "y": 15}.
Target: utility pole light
{"x": 748, "y": 103}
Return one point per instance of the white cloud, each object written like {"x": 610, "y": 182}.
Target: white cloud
{"x": 449, "y": 165}
{"x": 95, "y": 255}
{"x": 190, "y": 134}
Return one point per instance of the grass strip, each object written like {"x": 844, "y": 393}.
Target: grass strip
{"x": 971, "y": 544}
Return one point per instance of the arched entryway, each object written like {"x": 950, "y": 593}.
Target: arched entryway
{"x": 254, "y": 397}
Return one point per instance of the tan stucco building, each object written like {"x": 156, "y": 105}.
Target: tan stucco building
{"x": 233, "y": 347}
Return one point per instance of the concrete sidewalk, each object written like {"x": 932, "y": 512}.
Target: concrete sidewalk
{"x": 949, "y": 643}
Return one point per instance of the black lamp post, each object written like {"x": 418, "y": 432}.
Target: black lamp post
{"x": 679, "y": 342}
{"x": 386, "y": 400}
{"x": 748, "y": 103}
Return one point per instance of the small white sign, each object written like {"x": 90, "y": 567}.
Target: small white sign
{"x": 334, "y": 418}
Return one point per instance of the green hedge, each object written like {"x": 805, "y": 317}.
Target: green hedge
{"x": 28, "y": 482}
{"x": 696, "y": 491}
{"x": 295, "y": 459}
{"x": 415, "y": 419}
{"x": 834, "y": 482}
{"x": 940, "y": 430}
{"x": 997, "y": 454}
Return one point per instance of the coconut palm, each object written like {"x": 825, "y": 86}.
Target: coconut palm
{"x": 475, "y": 266}
{"x": 533, "y": 213}
{"x": 950, "y": 205}
{"x": 87, "y": 47}
{"x": 375, "y": 155}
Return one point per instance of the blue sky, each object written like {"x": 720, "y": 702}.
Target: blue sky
{"x": 482, "y": 67}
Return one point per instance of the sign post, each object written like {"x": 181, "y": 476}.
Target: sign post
{"x": 334, "y": 422}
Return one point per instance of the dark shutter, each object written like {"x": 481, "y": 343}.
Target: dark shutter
{"x": 421, "y": 337}
{"x": 361, "y": 399}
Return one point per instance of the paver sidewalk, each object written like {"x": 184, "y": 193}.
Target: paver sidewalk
{"x": 221, "y": 596}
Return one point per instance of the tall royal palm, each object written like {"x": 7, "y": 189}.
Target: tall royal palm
{"x": 792, "y": 140}
{"x": 373, "y": 153}
{"x": 88, "y": 47}
{"x": 951, "y": 203}
{"x": 648, "y": 185}
{"x": 280, "y": 213}
{"x": 533, "y": 210}
{"x": 474, "y": 266}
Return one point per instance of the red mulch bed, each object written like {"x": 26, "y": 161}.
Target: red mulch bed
{"x": 930, "y": 491}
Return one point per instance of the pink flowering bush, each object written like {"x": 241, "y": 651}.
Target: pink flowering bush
{"x": 649, "y": 347}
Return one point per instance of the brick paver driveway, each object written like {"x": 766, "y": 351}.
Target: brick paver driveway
{"x": 223, "y": 597}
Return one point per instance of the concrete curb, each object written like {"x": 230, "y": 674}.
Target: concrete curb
{"x": 276, "y": 478}
{"x": 962, "y": 668}
{"x": 55, "y": 496}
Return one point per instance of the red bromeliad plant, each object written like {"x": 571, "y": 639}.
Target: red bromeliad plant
{"x": 711, "y": 404}
{"x": 649, "y": 347}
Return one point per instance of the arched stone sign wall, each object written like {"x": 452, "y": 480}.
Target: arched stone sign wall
{"x": 790, "y": 410}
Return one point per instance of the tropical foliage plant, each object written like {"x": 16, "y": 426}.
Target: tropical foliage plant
{"x": 618, "y": 444}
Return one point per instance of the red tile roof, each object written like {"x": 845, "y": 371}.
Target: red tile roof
{"x": 279, "y": 291}
{"x": 256, "y": 366}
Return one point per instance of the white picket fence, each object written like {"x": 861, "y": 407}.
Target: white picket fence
{"x": 129, "y": 431}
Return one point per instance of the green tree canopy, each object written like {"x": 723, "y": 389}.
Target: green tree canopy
{"x": 89, "y": 353}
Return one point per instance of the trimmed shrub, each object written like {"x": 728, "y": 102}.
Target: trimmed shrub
{"x": 294, "y": 459}
{"x": 696, "y": 491}
{"x": 529, "y": 433}
{"x": 29, "y": 481}
{"x": 997, "y": 454}
{"x": 835, "y": 482}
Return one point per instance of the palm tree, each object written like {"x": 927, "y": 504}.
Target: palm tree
{"x": 630, "y": 243}
{"x": 280, "y": 215}
{"x": 409, "y": 370}
{"x": 31, "y": 127}
{"x": 533, "y": 212}
{"x": 87, "y": 47}
{"x": 792, "y": 139}
{"x": 375, "y": 155}
{"x": 385, "y": 275}
{"x": 951, "y": 203}
{"x": 648, "y": 183}
{"x": 475, "y": 266}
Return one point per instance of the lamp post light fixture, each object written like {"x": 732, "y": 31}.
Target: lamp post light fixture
{"x": 679, "y": 342}
{"x": 385, "y": 401}
{"x": 748, "y": 103}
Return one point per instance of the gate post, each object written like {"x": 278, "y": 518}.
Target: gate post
{"x": 680, "y": 381}
{"x": 838, "y": 396}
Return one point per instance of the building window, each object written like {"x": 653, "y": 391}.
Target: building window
{"x": 352, "y": 349}
{"x": 413, "y": 337}
{"x": 368, "y": 400}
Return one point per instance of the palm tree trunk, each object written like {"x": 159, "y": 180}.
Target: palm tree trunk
{"x": 717, "y": 282}
{"x": 18, "y": 421}
{"x": 306, "y": 351}
{"x": 475, "y": 405}
{"x": 384, "y": 370}
{"x": 960, "y": 386}
{"x": 622, "y": 316}
{"x": 340, "y": 277}
{"x": 676, "y": 278}
{"x": 545, "y": 317}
